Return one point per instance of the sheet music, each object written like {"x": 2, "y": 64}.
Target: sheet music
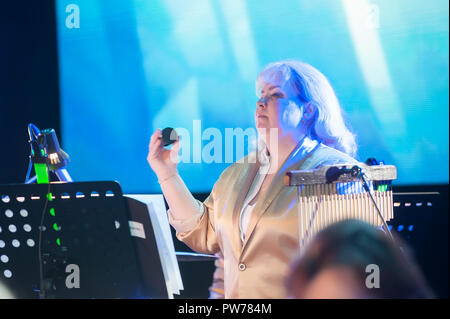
{"x": 163, "y": 236}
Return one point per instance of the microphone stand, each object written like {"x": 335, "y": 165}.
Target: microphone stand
{"x": 357, "y": 171}
{"x": 42, "y": 143}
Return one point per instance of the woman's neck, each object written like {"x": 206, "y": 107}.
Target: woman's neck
{"x": 281, "y": 147}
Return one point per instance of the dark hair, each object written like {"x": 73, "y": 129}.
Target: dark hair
{"x": 355, "y": 245}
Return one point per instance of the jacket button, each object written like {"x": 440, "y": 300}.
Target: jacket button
{"x": 242, "y": 266}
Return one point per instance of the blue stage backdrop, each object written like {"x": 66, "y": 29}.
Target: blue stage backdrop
{"x": 128, "y": 67}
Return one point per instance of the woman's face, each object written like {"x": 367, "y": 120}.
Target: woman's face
{"x": 278, "y": 108}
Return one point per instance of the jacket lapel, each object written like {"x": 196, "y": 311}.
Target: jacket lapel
{"x": 243, "y": 183}
{"x": 271, "y": 193}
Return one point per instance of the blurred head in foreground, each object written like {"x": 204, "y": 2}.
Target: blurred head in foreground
{"x": 353, "y": 260}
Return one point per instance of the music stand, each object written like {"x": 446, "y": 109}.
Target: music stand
{"x": 85, "y": 224}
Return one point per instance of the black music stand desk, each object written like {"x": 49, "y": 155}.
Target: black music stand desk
{"x": 83, "y": 240}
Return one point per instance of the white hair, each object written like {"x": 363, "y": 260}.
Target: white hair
{"x": 311, "y": 86}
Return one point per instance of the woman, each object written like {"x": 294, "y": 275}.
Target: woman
{"x": 250, "y": 216}
{"x": 354, "y": 260}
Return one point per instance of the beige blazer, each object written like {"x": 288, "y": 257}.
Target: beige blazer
{"x": 256, "y": 268}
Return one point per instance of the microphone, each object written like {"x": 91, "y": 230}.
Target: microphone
{"x": 169, "y": 136}
{"x": 333, "y": 173}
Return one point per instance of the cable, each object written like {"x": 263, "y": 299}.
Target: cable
{"x": 41, "y": 226}
{"x": 30, "y": 165}
{"x": 33, "y": 133}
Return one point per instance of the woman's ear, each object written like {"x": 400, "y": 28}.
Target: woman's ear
{"x": 309, "y": 111}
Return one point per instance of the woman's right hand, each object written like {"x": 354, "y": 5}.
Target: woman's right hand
{"x": 163, "y": 161}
